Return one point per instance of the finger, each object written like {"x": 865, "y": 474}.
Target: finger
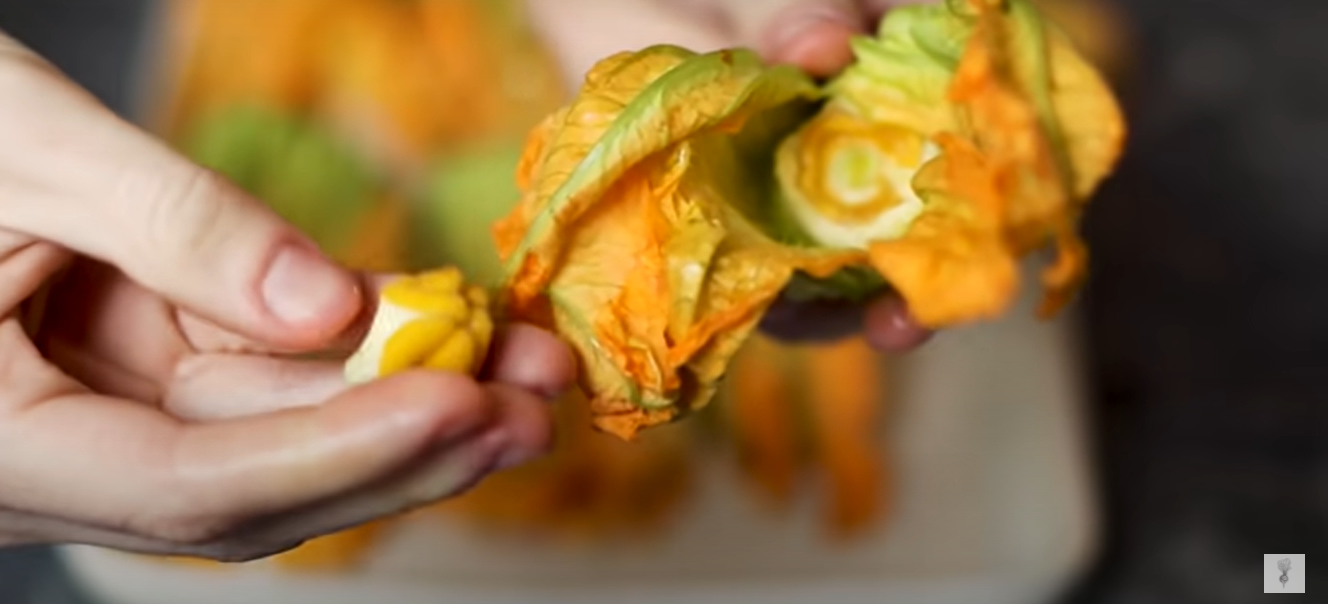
{"x": 812, "y": 321}
{"x": 126, "y": 465}
{"x": 122, "y": 340}
{"x": 210, "y": 387}
{"x": 531, "y": 358}
{"x": 110, "y": 333}
{"x": 74, "y": 173}
{"x": 811, "y": 34}
{"x": 444, "y": 474}
{"x": 21, "y": 528}
{"x": 203, "y": 335}
{"x": 582, "y": 32}
{"x": 890, "y": 327}
{"x": 521, "y": 432}
{"x": 526, "y": 425}
{"x": 135, "y": 345}
{"x": 876, "y": 9}
{"x": 25, "y": 264}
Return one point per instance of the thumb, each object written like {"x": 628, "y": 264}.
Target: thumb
{"x": 74, "y": 173}
{"x": 580, "y": 33}
{"x": 197, "y": 239}
{"x": 811, "y": 34}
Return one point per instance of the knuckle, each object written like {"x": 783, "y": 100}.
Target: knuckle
{"x": 174, "y": 212}
{"x": 172, "y": 207}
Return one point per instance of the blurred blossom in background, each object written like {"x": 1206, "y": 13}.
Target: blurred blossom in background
{"x": 1205, "y": 319}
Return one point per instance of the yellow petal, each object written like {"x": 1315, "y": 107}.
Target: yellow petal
{"x": 416, "y": 344}
{"x": 433, "y": 320}
{"x": 457, "y": 353}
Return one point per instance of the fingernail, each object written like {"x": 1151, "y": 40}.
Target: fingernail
{"x": 302, "y": 287}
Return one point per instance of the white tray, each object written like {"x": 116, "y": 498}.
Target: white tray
{"x": 994, "y": 506}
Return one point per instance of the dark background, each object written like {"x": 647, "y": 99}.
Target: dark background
{"x": 1207, "y": 310}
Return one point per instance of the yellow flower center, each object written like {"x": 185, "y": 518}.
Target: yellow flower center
{"x": 435, "y": 292}
{"x": 432, "y": 320}
{"x": 852, "y": 179}
{"x": 849, "y": 168}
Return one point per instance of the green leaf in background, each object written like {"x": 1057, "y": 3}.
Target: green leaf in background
{"x": 297, "y": 167}
{"x": 467, "y": 193}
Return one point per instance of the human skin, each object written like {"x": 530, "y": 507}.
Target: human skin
{"x": 150, "y": 313}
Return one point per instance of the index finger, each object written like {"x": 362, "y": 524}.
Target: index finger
{"x": 813, "y": 35}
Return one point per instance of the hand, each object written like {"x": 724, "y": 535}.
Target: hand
{"x": 812, "y": 34}
{"x": 149, "y": 396}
